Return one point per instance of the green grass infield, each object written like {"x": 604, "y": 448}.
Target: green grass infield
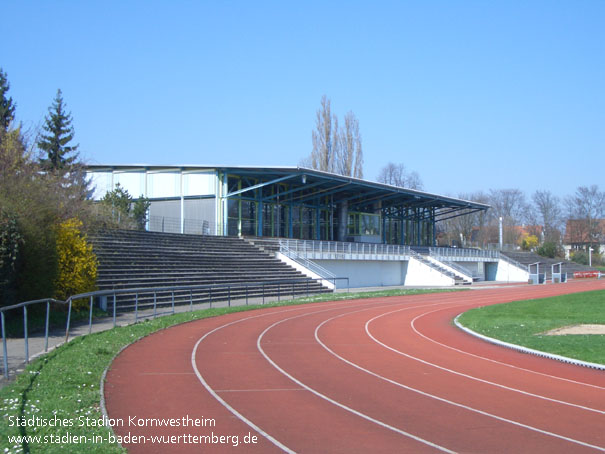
{"x": 525, "y": 322}
{"x": 55, "y": 402}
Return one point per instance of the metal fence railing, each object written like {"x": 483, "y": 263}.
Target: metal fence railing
{"x": 450, "y": 253}
{"x": 131, "y": 305}
{"x": 326, "y": 250}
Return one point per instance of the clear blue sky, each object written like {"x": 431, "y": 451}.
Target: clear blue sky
{"x": 472, "y": 95}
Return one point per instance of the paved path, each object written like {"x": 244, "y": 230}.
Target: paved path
{"x": 377, "y": 375}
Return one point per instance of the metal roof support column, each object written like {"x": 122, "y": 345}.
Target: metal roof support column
{"x": 317, "y": 221}
{"x": 182, "y": 204}
{"x": 290, "y": 225}
{"x": 261, "y": 206}
{"x": 224, "y": 200}
{"x": 434, "y": 227}
{"x": 418, "y": 227}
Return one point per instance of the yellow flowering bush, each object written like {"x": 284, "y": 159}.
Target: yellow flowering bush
{"x": 529, "y": 242}
{"x": 77, "y": 263}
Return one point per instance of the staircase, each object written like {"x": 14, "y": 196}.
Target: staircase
{"x": 138, "y": 259}
{"x": 421, "y": 254}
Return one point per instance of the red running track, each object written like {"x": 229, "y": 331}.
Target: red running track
{"x": 388, "y": 375}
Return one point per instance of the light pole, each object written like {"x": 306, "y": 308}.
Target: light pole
{"x": 590, "y": 256}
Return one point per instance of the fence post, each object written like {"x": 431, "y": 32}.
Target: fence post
{"x": 114, "y": 309}
{"x": 46, "y": 328}
{"x": 90, "y": 316}
{"x": 154, "y": 304}
{"x": 246, "y": 294}
{"x": 5, "y": 358}
{"x": 173, "y": 301}
{"x": 263, "y": 293}
{"x": 190, "y": 300}
{"x": 136, "y": 307}
{"x": 229, "y": 295}
{"x": 68, "y": 321}
{"x": 210, "y": 296}
{"x": 278, "y": 295}
{"x": 25, "y": 334}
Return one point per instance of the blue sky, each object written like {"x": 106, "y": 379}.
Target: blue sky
{"x": 473, "y": 95}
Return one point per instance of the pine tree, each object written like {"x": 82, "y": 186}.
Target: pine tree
{"x": 60, "y": 133}
{"x": 7, "y": 107}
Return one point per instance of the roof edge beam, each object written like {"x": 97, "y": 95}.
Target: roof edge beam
{"x": 260, "y": 185}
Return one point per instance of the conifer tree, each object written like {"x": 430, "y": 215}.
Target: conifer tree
{"x": 7, "y": 107}
{"x": 59, "y": 134}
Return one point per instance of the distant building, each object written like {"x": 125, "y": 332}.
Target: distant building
{"x": 580, "y": 234}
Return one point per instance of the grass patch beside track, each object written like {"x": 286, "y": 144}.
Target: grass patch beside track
{"x": 524, "y": 322}
{"x": 64, "y": 384}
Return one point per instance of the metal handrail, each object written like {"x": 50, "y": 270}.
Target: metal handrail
{"x": 460, "y": 269}
{"x": 513, "y": 262}
{"x": 463, "y": 252}
{"x": 367, "y": 250}
{"x": 180, "y": 291}
{"x": 316, "y": 268}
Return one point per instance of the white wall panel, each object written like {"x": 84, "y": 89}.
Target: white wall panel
{"x": 199, "y": 184}
{"x": 164, "y": 185}
{"x": 101, "y": 182}
{"x": 133, "y": 182}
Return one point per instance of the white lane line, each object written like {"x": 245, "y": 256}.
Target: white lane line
{"x": 512, "y": 366}
{"x": 334, "y": 402}
{"x": 441, "y": 399}
{"x": 257, "y": 390}
{"x": 214, "y": 394}
{"x": 470, "y": 377}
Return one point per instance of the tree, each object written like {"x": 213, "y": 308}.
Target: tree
{"x": 468, "y": 229}
{"x": 349, "y": 157}
{"x": 7, "y": 107}
{"x": 397, "y": 175}
{"x": 124, "y": 210}
{"x": 334, "y": 150}
{"x": 59, "y": 134}
{"x": 547, "y": 212}
{"x": 587, "y": 206}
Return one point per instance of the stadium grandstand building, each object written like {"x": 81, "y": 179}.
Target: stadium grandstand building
{"x": 321, "y": 223}
{"x": 286, "y": 202}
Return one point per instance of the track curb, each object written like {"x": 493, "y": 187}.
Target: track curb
{"x": 529, "y": 351}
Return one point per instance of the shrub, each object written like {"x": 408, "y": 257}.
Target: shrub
{"x": 529, "y": 242}
{"x": 582, "y": 258}
{"x": 548, "y": 249}
{"x": 77, "y": 263}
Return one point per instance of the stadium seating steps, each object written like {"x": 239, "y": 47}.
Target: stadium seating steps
{"x": 138, "y": 259}
{"x": 528, "y": 258}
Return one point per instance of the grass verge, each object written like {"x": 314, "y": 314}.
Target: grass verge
{"x": 525, "y": 322}
{"x": 63, "y": 385}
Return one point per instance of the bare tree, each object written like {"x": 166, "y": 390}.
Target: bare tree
{"x": 325, "y": 138}
{"x": 470, "y": 229}
{"x": 397, "y": 175}
{"x": 510, "y": 205}
{"x": 335, "y": 150}
{"x": 587, "y": 208}
{"x": 349, "y": 158}
{"x": 546, "y": 211}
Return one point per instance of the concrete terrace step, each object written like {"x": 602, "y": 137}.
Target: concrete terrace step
{"x": 138, "y": 259}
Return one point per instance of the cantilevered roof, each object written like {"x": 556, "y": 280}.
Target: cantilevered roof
{"x": 307, "y": 185}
